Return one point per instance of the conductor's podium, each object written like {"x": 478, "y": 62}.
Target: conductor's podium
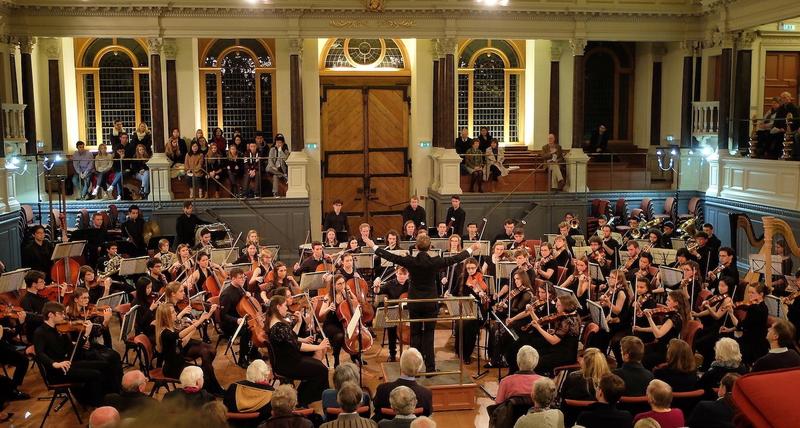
{"x": 450, "y": 391}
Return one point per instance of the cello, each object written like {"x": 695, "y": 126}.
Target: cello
{"x": 361, "y": 340}
{"x": 249, "y": 307}
{"x": 359, "y": 288}
{"x": 404, "y": 328}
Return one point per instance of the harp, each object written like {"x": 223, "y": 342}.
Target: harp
{"x": 772, "y": 226}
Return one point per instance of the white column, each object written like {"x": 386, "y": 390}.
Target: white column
{"x": 420, "y": 58}
{"x": 537, "y": 92}
{"x": 566, "y": 72}
{"x": 298, "y": 161}
{"x": 312, "y": 49}
{"x": 160, "y": 185}
{"x": 70, "y": 98}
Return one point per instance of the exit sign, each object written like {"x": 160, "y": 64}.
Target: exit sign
{"x": 785, "y": 26}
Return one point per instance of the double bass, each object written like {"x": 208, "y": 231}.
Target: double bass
{"x": 66, "y": 270}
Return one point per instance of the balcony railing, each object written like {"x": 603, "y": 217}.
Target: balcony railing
{"x": 13, "y": 127}
{"x": 705, "y": 119}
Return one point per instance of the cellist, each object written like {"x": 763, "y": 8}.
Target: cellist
{"x": 393, "y": 289}
{"x": 206, "y": 274}
{"x": 331, "y": 325}
{"x": 280, "y": 278}
{"x": 230, "y": 318}
{"x": 311, "y": 263}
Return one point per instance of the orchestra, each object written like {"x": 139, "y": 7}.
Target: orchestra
{"x": 544, "y": 301}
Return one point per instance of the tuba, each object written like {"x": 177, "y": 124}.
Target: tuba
{"x": 574, "y": 223}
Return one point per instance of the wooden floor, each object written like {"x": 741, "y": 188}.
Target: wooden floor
{"x": 29, "y": 413}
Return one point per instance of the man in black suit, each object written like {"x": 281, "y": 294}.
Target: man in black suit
{"x": 727, "y": 260}
{"x": 717, "y": 413}
{"x": 132, "y": 397}
{"x": 632, "y": 372}
{"x": 463, "y": 143}
{"x": 414, "y": 212}
{"x": 780, "y": 355}
{"x": 456, "y": 216}
{"x": 424, "y": 273}
{"x": 336, "y": 220}
{"x": 713, "y": 241}
{"x": 604, "y": 413}
{"x": 133, "y": 229}
{"x": 410, "y": 365}
{"x": 508, "y": 230}
{"x": 186, "y": 224}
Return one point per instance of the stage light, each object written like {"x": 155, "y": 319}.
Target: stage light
{"x": 673, "y": 152}
{"x": 492, "y": 2}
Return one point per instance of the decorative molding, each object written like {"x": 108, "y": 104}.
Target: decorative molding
{"x": 448, "y": 46}
{"x": 154, "y": 45}
{"x": 51, "y": 47}
{"x": 347, "y": 23}
{"x": 436, "y": 50}
{"x": 745, "y": 40}
{"x": 296, "y": 46}
{"x": 25, "y": 43}
{"x": 401, "y": 23}
{"x": 556, "y": 50}
{"x": 577, "y": 46}
{"x": 691, "y": 47}
{"x": 659, "y": 50}
{"x": 170, "y": 49}
{"x": 374, "y": 6}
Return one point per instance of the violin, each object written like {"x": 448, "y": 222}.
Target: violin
{"x": 474, "y": 282}
{"x": 660, "y": 310}
{"x": 56, "y": 292}
{"x": 548, "y": 320}
{"x": 94, "y": 311}
{"x": 713, "y": 300}
{"x": 641, "y": 300}
{"x": 10, "y": 311}
{"x": 502, "y": 305}
{"x": 70, "y": 327}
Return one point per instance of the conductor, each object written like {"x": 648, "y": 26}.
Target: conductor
{"x": 423, "y": 269}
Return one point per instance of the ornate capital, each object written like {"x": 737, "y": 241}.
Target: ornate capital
{"x": 577, "y": 46}
{"x": 436, "y": 49}
{"x": 556, "y": 49}
{"x": 728, "y": 40}
{"x": 50, "y": 47}
{"x": 26, "y": 43}
{"x": 170, "y": 49}
{"x": 296, "y": 46}
{"x": 447, "y": 46}
{"x": 745, "y": 40}
{"x": 154, "y": 45}
{"x": 691, "y": 47}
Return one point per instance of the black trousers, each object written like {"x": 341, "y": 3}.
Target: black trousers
{"x": 470, "y": 337}
{"x": 392, "y": 332}
{"x": 88, "y": 373}
{"x": 422, "y": 337}
{"x": 10, "y": 356}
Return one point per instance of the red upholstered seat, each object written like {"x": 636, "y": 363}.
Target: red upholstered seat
{"x": 390, "y": 412}
{"x": 768, "y": 399}
{"x": 689, "y": 333}
{"x": 235, "y": 416}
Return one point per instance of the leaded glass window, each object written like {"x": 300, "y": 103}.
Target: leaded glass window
{"x": 363, "y": 54}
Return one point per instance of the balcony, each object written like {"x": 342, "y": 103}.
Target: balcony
{"x": 705, "y": 119}
{"x": 14, "y": 128}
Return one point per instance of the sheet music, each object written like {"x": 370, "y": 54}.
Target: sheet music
{"x": 580, "y": 240}
{"x": 670, "y": 277}
{"x": 775, "y": 307}
{"x": 364, "y": 261}
{"x": 581, "y": 251}
{"x": 223, "y": 256}
{"x": 491, "y": 284}
{"x": 663, "y": 256}
{"x": 312, "y": 281}
{"x": 561, "y": 291}
{"x": 598, "y": 315}
{"x": 469, "y": 308}
{"x": 596, "y": 273}
{"x": 387, "y": 263}
{"x": 758, "y": 263}
{"x": 504, "y": 269}
{"x": 133, "y": 266}
{"x": 332, "y": 251}
{"x": 354, "y": 321}
{"x": 112, "y": 300}
{"x": 678, "y": 243}
{"x": 440, "y": 243}
{"x": 483, "y": 250}
{"x": 13, "y": 281}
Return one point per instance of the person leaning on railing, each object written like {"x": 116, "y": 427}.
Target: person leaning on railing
{"x": 102, "y": 166}
{"x": 83, "y": 163}
{"x": 175, "y": 150}
{"x": 195, "y": 163}
{"x": 276, "y": 163}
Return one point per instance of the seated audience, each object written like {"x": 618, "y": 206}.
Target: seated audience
{"x": 781, "y": 354}
{"x": 634, "y": 374}
{"x": 604, "y": 413}
{"x": 580, "y": 384}
{"x": 727, "y": 359}
{"x": 283, "y": 403}
{"x": 403, "y": 401}
{"x": 410, "y": 364}
{"x": 132, "y": 396}
{"x": 541, "y": 415}
{"x": 104, "y": 417}
{"x": 214, "y": 414}
{"x": 521, "y": 382}
{"x": 252, "y": 394}
{"x": 680, "y": 370}
{"x": 345, "y": 372}
{"x": 659, "y": 395}
{"x": 350, "y": 396}
{"x": 191, "y": 392}
{"x": 646, "y": 423}
{"x": 423, "y": 422}
{"x": 717, "y": 413}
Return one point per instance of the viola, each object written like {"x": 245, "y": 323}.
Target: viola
{"x": 249, "y": 306}
{"x": 94, "y": 311}
{"x": 661, "y": 310}
{"x": 54, "y": 292}
{"x": 713, "y": 300}
{"x": 360, "y": 289}
{"x": 361, "y": 340}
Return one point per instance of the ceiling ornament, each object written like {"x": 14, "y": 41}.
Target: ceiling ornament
{"x": 374, "y": 5}
{"x": 347, "y": 23}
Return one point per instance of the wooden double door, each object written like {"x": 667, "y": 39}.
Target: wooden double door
{"x": 781, "y": 71}
{"x": 365, "y": 154}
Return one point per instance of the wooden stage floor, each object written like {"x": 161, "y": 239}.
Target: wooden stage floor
{"x": 228, "y": 372}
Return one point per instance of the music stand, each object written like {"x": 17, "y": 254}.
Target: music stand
{"x": 506, "y": 242}
{"x": 663, "y": 256}
{"x": 491, "y": 284}
{"x": 367, "y": 250}
{"x": 243, "y": 266}
{"x": 623, "y": 257}
{"x": 598, "y": 315}
{"x": 440, "y": 243}
{"x": 13, "y": 281}
{"x": 596, "y": 273}
{"x": 405, "y": 245}
{"x": 643, "y": 242}
{"x": 580, "y": 240}
{"x": 561, "y": 291}
{"x": 431, "y": 252}
{"x": 791, "y": 282}
{"x": 312, "y": 281}
{"x": 758, "y": 264}
{"x": 510, "y": 332}
{"x": 127, "y": 323}
{"x": 112, "y": 300}
{"x": 678, "y": 243}
{"x": 66, "y": 250}
{"x": 364, "y": 261}
{"x": 774, "y": 306}
{"x": 459, "y": 308}
{"x": 617, "y": 237}
{"x": 332, "y": 251}
{"x": 133, "y": 266}
{"x": 223, "y": 256}
{"x": 504, "y": 269}
{"x": 581, "y": 251}
{"x": 483, "y": 250}
{"x": 670, "y": 277}
{"x": 387, "y": 263}
{"x": 551, "y": 237}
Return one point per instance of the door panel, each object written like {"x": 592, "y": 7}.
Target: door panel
{"x": 383, "y": 163}
{"x": 387, "y": 194}
{"x": 344, "y": 120}
{"x": 780, "y": 75}
{"x": 382, "y": 223}
{"x": 344, "y": 164}
{"x": 388, "y": 118}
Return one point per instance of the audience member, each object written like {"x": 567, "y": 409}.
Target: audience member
{"x": 423, "y": 422}
{"x": 283, "y": 403}
{"x": 410, "y": 365}
{"x": 780, "y": 355}
{"x": 604, "y": 412}
{"x": 581, "y": 384}
{"x": 680, "y": 370}
{"x": 350, "y": 396}
{"x": 541, "y": 415}
{"x": 345, "y": 372}
{"x": 521, "y": 382}
{"x": 632, "y": 372}
{"x": 252, "y": 394}
{"x": 191, "y": 392}
{"x": 403, "y": 401}
{"x": 646, "y": 423}
{"x": 659, "y": 395}
{"x": 727, "y": 359}
{"x": 717, "y": 413}
{"x": 132, "y": 396}
{"x": 214, "y": 414}
{"x": 104, "y": 417}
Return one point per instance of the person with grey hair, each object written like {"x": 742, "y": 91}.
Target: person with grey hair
{"x": 350, "y": 396}
{"x": 284, "y": 401}
{"x": 423, "y": 422}
{"x": 403, "y": 401}
{"x": 541, "y": 415}
{"x": 410, "y": 366}
{"x": 659, "y": 396}
{"x": 521, "y": 382}
{"x": 132, "y": 396}
{"x": 253, "y": 394}
{"x": 191, "y": 392}
{"x": 345, "y": 372}
{"x": 104, "y": 417}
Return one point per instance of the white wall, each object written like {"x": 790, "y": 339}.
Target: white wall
{"x": 311, "y": 124}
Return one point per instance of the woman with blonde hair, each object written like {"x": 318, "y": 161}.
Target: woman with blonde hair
{"x": 582, "y": 384}
{"x": 103, "y": 162}
{"x": 143, "y": 136}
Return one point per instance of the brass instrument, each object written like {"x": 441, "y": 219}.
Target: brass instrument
{"x": 652, "y": 223}
{"x": 692, "y": 245}
{"x": 635, "y": 233}
{"x": 111, "y": 266}
{"x": 167, "y": 259}
{"x": 574, "y": 223}
{"x": 688, "y": 228}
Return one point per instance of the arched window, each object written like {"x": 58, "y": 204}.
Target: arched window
{"x": 608, "y": 89}
{"x": 490, "y": 75}
{"x": 237, "y": 86}
{"x": 113, "y": 83}
{"x": 353, "y": 55}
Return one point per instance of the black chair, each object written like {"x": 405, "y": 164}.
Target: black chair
{"x": 61, "y": 391}
{"x": 275, "y": 369}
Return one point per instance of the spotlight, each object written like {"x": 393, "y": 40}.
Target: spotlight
{"x": 673, "y": 152}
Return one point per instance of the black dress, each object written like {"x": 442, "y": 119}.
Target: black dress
{"x": 290, "y": 362}
{"x": 563, "y": 352}
{"x": 655, "y": 353}
{"x": 753, "y": 342}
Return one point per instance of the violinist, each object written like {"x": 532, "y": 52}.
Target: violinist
{"x": 546, "y": 267}
{"x": 617, "y": 304}
{"x": 599, "y": 256}
{"x": 33, "y": 302}
{"x": 557, "y": 341}
{"x": 580, "y": 282}
{"x": 230, "y": 318}
{"x": 311, "y": 263}
{"x": 147, "y": 303}
{"x": 668, "y": 234}
{"x": 331, "y": 325}
{"x": 409, "y": 231}
{"x": 706, "y": 256}
{"x": 753, "y": 326}
{"x": 632, "y": 263}
{"x": 726, "y": 268}
{"x": 518, "y": 242}
{"x": 176, "y": 345}
{"x": 281, "y": 278}
{"x": 205, "y": 244}
{"x": 471, "y": 283}
{"x": 681, "y": 257}
{"x": 183, "y": 264}
{"x": 79, "y": 309}
{"x": 54, "y": 351}
{"x": 562, "y": 254}
{"x": 646, "y": 269}
{"x": 133, "y": 230}
{"x": 610, "y": 245}
{"x": 690, "y": 284}
{"x": 499, "y": 254}
{"x": 714, "y": 315}
{"x": 206, "y": 271}
{"x": 97, "y": 287}
{"x": 472, "y": 232}
{"x": 499, "y": 340}
{"x": 393, "y": 289}
{"x": 157, "y": 279}
{"x": 175, "y": 295}
{"x": 260, "y": 273}
{"x": 523, "y": 265}
{"x": 36, "y": 255}
{"x": 644, "y": 300}
{"x": 300, "y": 321}
{"x": 508, "y": 230}
{"x": 676, "y": 314}
{"x": 330, "y": 239}
{"x": 297, "y": 358}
